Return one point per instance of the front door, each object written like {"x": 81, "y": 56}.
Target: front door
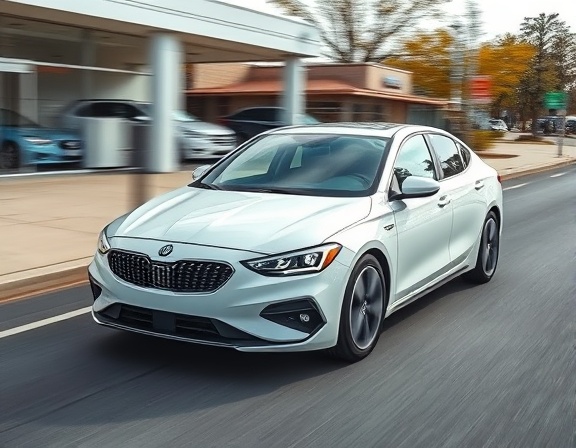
{"x": 423, "y": 224}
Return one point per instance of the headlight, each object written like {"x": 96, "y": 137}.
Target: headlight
{"x": 38, "y": 140}
{"x": 103, "y": 244}
{"x": 305, "y": 261}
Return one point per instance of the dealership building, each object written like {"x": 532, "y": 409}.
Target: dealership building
{"x": 53, "y": 52}
{"x": 333, "y": 92}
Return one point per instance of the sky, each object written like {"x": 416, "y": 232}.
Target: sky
{"x": 498, "y": 16}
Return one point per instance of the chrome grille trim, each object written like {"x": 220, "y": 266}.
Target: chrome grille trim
{"x": 187, "y": 276}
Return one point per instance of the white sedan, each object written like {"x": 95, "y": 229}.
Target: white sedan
{"x": 304, "y": 238}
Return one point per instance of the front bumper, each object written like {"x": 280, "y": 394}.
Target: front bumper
{"x": 207, "y": 148}
{"x": 250, "y": 312}
{"x": 50, "y": 154}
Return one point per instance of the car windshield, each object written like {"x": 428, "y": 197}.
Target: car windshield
{"x": 316, "y": 165}
{"x": 12, "y": 119}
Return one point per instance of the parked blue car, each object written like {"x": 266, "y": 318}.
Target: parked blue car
{"x": 24, "y": 142}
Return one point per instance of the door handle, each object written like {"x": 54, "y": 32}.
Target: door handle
{"x": 479, "y": 184}
{"x": 444, "y": 201}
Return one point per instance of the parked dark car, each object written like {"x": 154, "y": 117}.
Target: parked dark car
{"x": 252, "y": 121}
{"x": 570, "y": 127}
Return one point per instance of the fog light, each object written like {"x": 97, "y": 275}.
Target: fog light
{"x": 300, "y": 314}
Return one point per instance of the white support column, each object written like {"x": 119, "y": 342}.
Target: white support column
{"x": 166, "y": 56}
{"x": 293, "y": 99}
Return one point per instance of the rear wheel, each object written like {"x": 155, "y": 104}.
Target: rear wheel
{"x": 362, "y": 311}
{"x": 9, "y": 156}
{"x": 488, "y": 252}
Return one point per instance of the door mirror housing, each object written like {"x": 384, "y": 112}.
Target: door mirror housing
{"x": 199, "y": 172}
{"x": 418, "y": 187}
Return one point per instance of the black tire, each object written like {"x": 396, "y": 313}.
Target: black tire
{"x": 365, "y": 299}
{"x": 488, "y": 252}
{"x": 9, "y": 156}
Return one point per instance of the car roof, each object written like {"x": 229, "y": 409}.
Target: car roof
{"x": 379, "y": 129}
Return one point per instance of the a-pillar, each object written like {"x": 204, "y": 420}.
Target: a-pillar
{"x": 166, "y": 58}
{"x": 293, "y": 100}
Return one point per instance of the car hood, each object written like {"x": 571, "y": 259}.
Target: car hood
{"x": 204, "y": 128}
{"x": 48, "y": 133}
{"x": 260, "y": 222}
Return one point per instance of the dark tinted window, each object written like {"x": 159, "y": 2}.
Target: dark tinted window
{"x": 448, "y": 153}
{"x": 414, "y": 159}
{"x": 257, "y": 114}
{"x": 109, "y": 109}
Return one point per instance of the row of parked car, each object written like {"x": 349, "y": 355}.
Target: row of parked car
{"x": 24, "y": 142}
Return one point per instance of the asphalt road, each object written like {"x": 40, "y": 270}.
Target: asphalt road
{"x": 488, "y": 366}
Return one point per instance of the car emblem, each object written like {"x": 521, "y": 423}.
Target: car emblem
{"x": 166, "y": 250}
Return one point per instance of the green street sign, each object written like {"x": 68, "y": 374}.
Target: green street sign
{"x": 555, "y": 100}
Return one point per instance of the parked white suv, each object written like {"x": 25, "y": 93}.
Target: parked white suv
{"x": 196, "y": 139}
{"x": 498, "y": 125}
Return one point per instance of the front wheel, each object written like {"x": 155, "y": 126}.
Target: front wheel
{"x": 9, "y": 156}
{"x": 362, "y": 312}
{"x": 488, "y": 252}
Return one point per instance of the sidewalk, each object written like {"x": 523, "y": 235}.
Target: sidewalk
{"x": 49, "y": 225}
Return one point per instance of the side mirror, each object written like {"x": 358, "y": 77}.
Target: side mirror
{"x": 418, "y": 187}
{"x": 198, "y": 172}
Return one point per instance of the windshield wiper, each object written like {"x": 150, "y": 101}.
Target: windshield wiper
{"x": 205, "y": 186}
{"x": 275, "y": 190}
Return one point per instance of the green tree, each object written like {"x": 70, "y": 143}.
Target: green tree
{"x": 543, "y": 32}
{"x": 362, "y": 30}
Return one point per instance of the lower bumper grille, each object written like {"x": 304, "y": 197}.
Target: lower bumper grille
{"x": 182, "y": 326}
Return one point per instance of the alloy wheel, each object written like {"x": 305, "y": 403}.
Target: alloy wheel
{"x": 490, "y": 247}
{"x": 366, "y": 307}
{"x": 9, "y": 156}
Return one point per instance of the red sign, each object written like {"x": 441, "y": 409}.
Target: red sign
{"x": 480, "y": 89}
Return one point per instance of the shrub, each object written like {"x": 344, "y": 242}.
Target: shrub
{"x": 481, "y": 140}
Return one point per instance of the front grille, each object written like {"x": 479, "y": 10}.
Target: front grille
{"x": 71, "y": 144}
{"x": 193, "y": 276}
{"x": 223, "y": 140}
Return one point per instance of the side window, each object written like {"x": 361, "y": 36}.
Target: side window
{"x": 448, "y": 154}
{"x": 105, "y": 110}
{"x": 414, "y": 159}
{"x": 465, "y": 155}
{"x": 85, "y": 111}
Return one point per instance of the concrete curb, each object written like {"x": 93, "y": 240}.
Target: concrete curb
{"x": 537, "y": 169}
{"x": 45, "y": 279}
{"x": 50, "y": 278}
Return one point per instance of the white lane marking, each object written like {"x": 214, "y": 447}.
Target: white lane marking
{"x": 43, "y": 322}
{"x": 559, "y": 174}
{"x": 515, "y": 186}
